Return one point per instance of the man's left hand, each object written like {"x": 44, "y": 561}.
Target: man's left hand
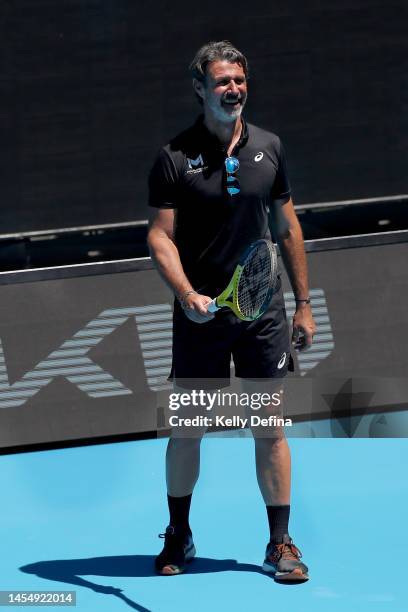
{"x": 304, "y": 328}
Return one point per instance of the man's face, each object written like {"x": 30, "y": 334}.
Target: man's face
{"x": 224, "y": 90}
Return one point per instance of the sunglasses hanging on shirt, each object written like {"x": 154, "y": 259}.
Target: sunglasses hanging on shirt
{"x": 232, "y": 166}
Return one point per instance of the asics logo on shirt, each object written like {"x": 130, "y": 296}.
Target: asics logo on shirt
{"x": 258, "y": 156}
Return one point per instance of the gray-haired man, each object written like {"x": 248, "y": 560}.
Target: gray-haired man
{"x": 200, "y": 228}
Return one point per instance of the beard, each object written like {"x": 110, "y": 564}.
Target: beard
{"x": 227, "y": 109}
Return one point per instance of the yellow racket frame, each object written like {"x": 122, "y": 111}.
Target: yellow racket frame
{"x": 228, "y": 298}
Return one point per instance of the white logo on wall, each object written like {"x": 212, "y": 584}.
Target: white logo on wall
{"x": 258, "y": 156}
{"x": 72, "y": 361}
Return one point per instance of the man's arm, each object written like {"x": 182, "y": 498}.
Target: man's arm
{"x": 290, "y": 239}
{"x": 165, "y": 255}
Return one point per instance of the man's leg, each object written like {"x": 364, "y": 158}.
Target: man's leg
{"x": 183, "y": 462}
{"x": 273, "y": 469}
{"x": 182, "y": 465}
{"x": 201, "y": 360}
{"x": 182, "y": 472}
{"x": 272, "y": 454}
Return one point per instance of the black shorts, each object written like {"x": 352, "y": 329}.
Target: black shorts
{"x": 202, "y": 352}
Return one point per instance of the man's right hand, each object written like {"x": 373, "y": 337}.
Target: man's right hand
{"x": 195, "y": 308}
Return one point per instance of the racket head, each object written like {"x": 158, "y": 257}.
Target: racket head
{"x": 254, "y": 280}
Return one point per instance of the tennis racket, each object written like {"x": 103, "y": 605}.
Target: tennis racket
{"x": 252, "y": 285}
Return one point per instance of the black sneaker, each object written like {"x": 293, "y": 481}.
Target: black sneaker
{"x": 178, "y": 550}
{"x": 283, "y": 561}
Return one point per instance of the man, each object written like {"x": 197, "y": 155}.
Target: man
{"x": 206, "y": 216}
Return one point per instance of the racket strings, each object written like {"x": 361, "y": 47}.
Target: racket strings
{"x": 255, "y": 281}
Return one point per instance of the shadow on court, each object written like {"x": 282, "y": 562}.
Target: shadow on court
{"x": 137, "y": 566}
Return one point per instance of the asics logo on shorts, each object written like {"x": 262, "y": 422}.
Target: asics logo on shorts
{"x": 282, "y": 361}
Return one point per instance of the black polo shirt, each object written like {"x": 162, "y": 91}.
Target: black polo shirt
{"x": 212, "y": 227}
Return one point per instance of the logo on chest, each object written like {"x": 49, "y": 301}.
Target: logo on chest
{"x": 195, "y": 165}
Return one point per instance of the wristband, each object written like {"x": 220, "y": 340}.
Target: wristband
{"x": 306, "y": 301}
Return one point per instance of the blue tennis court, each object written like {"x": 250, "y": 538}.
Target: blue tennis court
{"x": 86, "y": 519}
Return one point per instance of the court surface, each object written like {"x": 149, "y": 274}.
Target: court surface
{"x": 87, "y": 519}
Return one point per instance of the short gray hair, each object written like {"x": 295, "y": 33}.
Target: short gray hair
{"x": 222, "y": 50}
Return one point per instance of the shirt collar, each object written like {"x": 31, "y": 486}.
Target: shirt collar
{"x": 213, "y": 140}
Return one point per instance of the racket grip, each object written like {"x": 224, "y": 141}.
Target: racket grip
{"x": 212, "y": 306}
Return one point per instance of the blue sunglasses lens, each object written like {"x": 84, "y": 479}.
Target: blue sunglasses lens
{"x": 233, "y": 185}
{"x": 231, "y": 166}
